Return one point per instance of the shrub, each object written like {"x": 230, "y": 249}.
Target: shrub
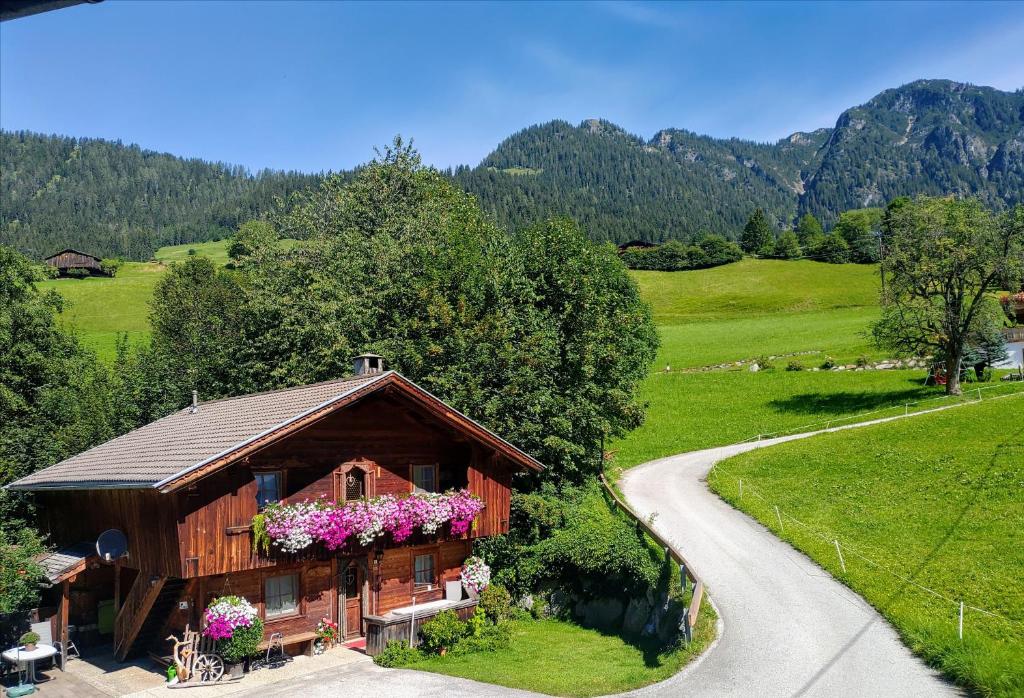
{"x": 491, "y": 639}
{"x": 192, "y": 252}
{"x": 719, "y": 251}
{"x": 496, "y": 602}
{"x": 110, "y": 266}
{"x": 833, "y": 249}
{"x": 787, "y": 246}
{"x": 828, "y": 363}
{"x": 764, "y": 362}
{"x": 396, "y": 653}
{"x": 29, "y": 638}
{"x": 477, "y": 622}
{"x": 794, "y": 366}
{"x": 709, "y": 251}
{"x": 244, "y": 642}
{"x": 442, "y": 632}
{"x": 78, "y": 273}
{"x": 863, "y": 361}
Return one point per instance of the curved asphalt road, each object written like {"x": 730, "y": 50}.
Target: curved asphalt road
{"x": 790, "y": 629}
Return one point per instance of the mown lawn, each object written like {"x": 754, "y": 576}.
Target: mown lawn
{"x": 99, "y": 309}
{"x": 939, "y": 500}
{"x": 564, "y": 659}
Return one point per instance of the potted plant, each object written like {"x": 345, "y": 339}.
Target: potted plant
{"x": 326, "y": 635}
{"x": 476, "y": 575}
{"x": 235, "y": 622}
{"x": 244, "y": 643}
{"x": 29, "y": 639}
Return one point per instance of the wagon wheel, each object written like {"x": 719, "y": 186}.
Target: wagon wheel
{"x": 209, "y": 667}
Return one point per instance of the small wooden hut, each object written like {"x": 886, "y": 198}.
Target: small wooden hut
{"x": 69, "y": 259}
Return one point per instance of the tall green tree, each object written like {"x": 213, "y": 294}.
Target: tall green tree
{"x": 55, "y": 400}
{"x": 808, "y": 230}
{"x": 540, "y": 335}
{"x": 943, "y": 257}
{"x": 758, "y": 235}
{"x": 861, "y": 228}
{"x": 195, "y": 317}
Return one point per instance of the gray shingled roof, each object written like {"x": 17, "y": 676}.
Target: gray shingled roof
{"x": 55, "y": 564}
{"x": 183, "y": 440}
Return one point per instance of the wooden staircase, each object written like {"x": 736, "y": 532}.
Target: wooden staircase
{"x": 144, "y": 613}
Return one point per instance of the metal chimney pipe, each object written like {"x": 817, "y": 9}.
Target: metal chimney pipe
{"x": 195, "y": 402}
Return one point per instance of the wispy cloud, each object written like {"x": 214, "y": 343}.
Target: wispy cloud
{"x": 641, "y": 13}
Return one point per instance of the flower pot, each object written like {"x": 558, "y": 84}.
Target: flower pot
{"x": 30, "y": 646}
{"x": 473, "y": 594}
{"x": 236, "y": 670}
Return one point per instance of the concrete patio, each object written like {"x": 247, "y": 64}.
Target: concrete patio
{"x": 99, "y": 675}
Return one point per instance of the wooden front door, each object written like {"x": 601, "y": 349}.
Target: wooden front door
{"x": 352, "y": 580}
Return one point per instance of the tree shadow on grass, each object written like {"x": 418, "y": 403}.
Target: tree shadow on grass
{"x": 849, "y": 402}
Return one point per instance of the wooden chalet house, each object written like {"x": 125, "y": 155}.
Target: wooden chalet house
{"x": 184, "y": 490}
{"x": 69, "y": 259}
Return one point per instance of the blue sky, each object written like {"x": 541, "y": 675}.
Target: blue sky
{"x": 316, "y": 85}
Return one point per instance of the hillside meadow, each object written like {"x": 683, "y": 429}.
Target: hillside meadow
{"x": 934, "y": 500}
{"x": 725, "y": 314}
{"x": 751, "y": 309}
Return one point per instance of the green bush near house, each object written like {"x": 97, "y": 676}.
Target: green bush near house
{"x": 397, "y": 653}
{"x": 244, "y": 642}
{"x": 496, "y": 603}
{"x": 442, "y": 632}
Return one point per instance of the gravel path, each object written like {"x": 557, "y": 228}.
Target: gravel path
{"x": 788, "y": 628}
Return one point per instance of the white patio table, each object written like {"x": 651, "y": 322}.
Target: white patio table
{"x": 22, "y": 657}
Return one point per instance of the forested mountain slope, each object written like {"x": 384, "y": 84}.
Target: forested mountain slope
{"x": 927, "y": 137}
{"x": 110, "y": 199}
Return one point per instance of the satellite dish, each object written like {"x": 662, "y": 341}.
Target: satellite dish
{"x": 112, "y": 545}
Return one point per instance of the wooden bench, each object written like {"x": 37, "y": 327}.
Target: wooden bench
{"x": 296, "y": 639}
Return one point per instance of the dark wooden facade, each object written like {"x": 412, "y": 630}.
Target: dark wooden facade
{"x": 69, "y": 259}
{"x": 198, "y": 535}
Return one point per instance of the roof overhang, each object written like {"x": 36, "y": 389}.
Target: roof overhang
{"x": 16, "y": 9}
{"x": 390, "y": 379}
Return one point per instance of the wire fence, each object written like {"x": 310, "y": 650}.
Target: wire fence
{"x": 896, "y": 410}
{"x": 957, "y": 601}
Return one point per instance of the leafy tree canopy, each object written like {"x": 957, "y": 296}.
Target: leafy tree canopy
{"x": 943, "y": 256}
{"x": 541, "y": 335}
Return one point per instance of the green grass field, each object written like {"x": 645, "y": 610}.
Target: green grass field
{"x": 565, "y": 659}
{"x": 755, "y": 288}
{"x": 937, "y": 500}
{"x": 98, "y": 309}
{"x": 748, "y": 309}
{"x": 217, "y": 251}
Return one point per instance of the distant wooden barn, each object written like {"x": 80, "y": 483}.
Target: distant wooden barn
{"x": 69, "y": 259}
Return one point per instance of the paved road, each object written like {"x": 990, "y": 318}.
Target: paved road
{"x": 790, "y": 629}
